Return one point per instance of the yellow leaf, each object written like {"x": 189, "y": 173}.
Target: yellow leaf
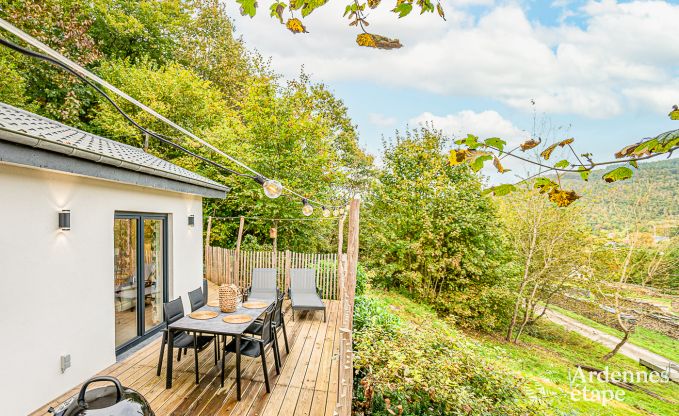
{"x": 529, "y": 144}
{"x": 563, "y": 198}
{"x": 548, "y": 151}
{"x": 457, "y": 156}
{"x": 566, "y": 142}
{"x": 372, "y": 40}
{"x": 295, "y": 26}
{"x": 498, "y": 165}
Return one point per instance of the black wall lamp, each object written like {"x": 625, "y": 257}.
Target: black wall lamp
{"x": 192, "y": 220}
{"x": 65, "y": 220}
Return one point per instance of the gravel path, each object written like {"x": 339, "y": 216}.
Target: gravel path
{"x": 630, "y": 350}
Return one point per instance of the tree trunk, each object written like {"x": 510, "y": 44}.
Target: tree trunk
{"x": 617, "y": 347}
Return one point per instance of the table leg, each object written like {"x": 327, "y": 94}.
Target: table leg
{"x": 170, "y": 346}
{"x": 238, "y": 366}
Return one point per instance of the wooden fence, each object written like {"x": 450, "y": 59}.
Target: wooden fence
{"x": 227, "y": 266}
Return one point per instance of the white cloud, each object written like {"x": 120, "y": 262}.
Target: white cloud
{"x": 623, "y": 56}
{"x": 484, "y": 124}
{"x": 381, "y": 120}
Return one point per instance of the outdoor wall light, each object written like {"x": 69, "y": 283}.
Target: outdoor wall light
{"x": 192, "y": 220}
{"x": 65, "y": 220}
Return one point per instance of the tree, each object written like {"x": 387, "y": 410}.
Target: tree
{"x": 431, "y": 232}
{"x": 548, "y": 244}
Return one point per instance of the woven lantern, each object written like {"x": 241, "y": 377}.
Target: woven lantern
{"x": 228, "y": 298}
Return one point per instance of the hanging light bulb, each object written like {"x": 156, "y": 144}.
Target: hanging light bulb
{"x": 335, "y": 212}
{"x": 272, "y": 188}
{"x": 342, "y": 211}
{"x": 326, "y": 212}
{"x": 307, "y": 209}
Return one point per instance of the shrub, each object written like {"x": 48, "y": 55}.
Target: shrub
{"x": 426, "y": 369}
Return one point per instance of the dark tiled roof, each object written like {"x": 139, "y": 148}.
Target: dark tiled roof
{"x": 57, "y": 137}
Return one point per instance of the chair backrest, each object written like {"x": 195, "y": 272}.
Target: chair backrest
{"x": 196, "y": 299}
{"x": 173, "y": 310}
{"x": 266, "y": 324}
{"x": 264, "y": 280}
{"x": 303, "y": 280}
{"x": 278, "y": 312}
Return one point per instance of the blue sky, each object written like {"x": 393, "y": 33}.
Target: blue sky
{"x": 605, "y": 72}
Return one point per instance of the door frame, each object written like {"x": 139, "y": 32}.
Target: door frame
{"x": 142, "y": 332}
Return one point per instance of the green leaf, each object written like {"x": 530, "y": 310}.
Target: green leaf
{"x": 634, "y": 163}
{"x": 674, "y": 114}
{"x": 545, "y": 184}
{"x": 403, "y": 9}
{"x": 495, "y": 142}
{"x": 584, "y": 173}
{"x": 618, "y": 174}
{"x": 477, "y": 163}
{"x": 500, "y": 190}
{"x": 277, "y": 9}
{"x": 562, "y": 164}
{"x": 247, "y": 7}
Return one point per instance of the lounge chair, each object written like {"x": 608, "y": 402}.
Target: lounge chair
{"x": 304, "y": 294}
{"x": 264, "y": 285}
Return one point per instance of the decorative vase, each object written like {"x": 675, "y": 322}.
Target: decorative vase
{"x": 228, "y": 298}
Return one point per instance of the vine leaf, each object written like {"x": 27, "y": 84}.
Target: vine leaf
{"x": 562, "y": 164}
{"x": 440, "y": 11}
{"x": 248, "y": 7}
{"x": 277, "y": 9}
{"x": 295, "y": 26}
{"x": 403, "y": 9}
{"x": 634, "y": 163}
{"x": 500, "y": 190}
{"x": 566, "y": 142}
{"x": 371, "y": 40}
{"x": 545, "y": 185}
{"x": 498, "y": 165}
{"x": 470, "y": 141}
{"x": 626, "y": 151}
{"x": 548, "y": 151}
{"x": 457, "y": 156}
{"x": 674, "y": 114}
{"x": 618, "y": 174}
{"x": 562, "y": 197}
{"x": 495, "y": 142}
{"x": 529, "y": 144}
{"x": 478, "y": 158}
{"x": 584, "y": 173}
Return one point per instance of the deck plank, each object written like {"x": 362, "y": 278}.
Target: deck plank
{"x": 301, "y": 388}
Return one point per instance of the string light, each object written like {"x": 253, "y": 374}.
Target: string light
{"x": 272, "y": 188}
{"x": 335, "y": 213}
{"x": 326, "y": 212}
{"x": 307, "y": 209}
{"x": 341, "y": 211}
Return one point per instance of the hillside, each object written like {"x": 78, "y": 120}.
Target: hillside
{"x": 610, "y": 203}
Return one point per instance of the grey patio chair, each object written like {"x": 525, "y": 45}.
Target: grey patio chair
{"x": 304, "y": 294}
{"x": 263, "y": 284}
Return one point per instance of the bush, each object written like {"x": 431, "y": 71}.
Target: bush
{"x": 426, "y": 369}
{"x": 361, "y": 280}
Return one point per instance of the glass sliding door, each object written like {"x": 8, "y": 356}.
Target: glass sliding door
{"x": 154, "y": 270}
{"x": 140, "y": 275}
{"x": 125, "y": 276}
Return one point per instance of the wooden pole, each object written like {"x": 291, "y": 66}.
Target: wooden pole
{"x": 340, "y": 249}
{"x": 236, "y": 263}
{"x": 346, "y": 361}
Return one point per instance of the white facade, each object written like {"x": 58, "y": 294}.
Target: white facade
{"x": 57, "y": 287}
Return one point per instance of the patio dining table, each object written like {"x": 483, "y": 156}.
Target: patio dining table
{"x": 215, "y": 326}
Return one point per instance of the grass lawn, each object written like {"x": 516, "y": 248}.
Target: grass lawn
{"x": 544, "y": 358}
{"x": 653, "y": 341}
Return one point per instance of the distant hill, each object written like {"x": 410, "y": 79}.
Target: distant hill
{"x": 610, "y": 203}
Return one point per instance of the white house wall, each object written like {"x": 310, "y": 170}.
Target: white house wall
{"x": 56, "y": 287}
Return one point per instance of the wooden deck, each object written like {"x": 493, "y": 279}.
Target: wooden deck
{"x": 307, "y": 384}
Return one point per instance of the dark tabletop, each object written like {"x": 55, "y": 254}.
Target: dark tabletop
{"x": 216, "y": 325}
